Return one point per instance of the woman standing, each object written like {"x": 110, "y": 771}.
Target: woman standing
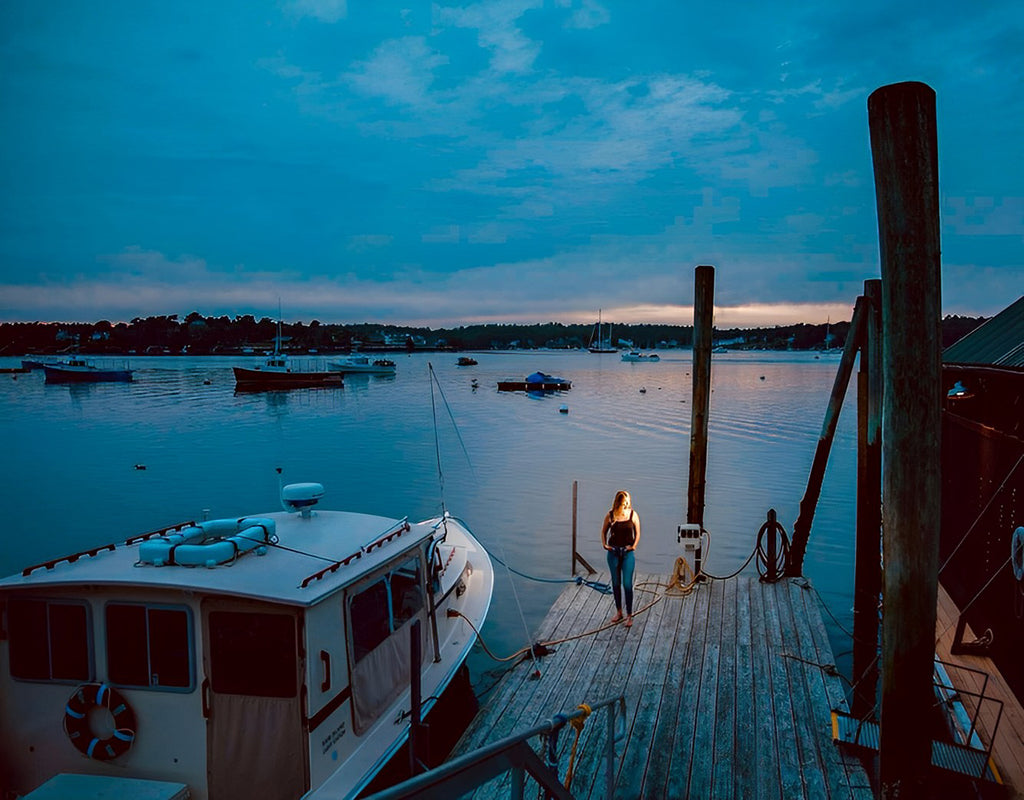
{"x": 620, "y": 534}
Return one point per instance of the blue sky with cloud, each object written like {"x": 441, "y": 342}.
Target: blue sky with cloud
{"x": 500, "y": 161}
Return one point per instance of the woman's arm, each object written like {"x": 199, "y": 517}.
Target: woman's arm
{"x": 604, "y": 530}
{"x": 636, "y": 528}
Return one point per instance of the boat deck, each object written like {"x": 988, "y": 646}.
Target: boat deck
{"x": 1007, "y": 750}
{"x": 728, "y": 694}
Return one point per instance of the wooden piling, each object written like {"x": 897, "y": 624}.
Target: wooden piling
{"x": 901, "y": 119}
{"x": 576, "y": 557}
{"x": 868, "y": 561}
{"x": 809, "y": 503}
{"x": 703, "y": 313}
{"x": 575, "y": 485}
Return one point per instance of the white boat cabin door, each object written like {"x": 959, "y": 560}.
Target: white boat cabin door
{"x": 252, "y": 699}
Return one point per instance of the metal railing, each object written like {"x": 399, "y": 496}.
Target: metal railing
{"x": 513, "y": 754}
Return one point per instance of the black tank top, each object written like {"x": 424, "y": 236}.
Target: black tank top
{"x": 622, "y": 533}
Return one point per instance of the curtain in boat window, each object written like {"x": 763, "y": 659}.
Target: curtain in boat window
{"x": 380, "y": 615}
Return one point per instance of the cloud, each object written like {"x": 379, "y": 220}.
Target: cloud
{"x": 985, "y": 216}
{"x": 400, "y": 71}
{"x": 590, "y": 14}
{"x": 323, "y": 10}
{"x": 495, "y": 23}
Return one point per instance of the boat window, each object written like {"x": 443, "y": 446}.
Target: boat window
{"x": 149, "y": 646}
{"x": 49, "y": 640}
{"x": 384, "y": 606}
{"x": 253, "y": 653}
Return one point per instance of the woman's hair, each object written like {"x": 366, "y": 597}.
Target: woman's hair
{"x": 621, "y": 497}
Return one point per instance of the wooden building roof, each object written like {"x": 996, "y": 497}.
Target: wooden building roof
{"x": 998, "y": 342}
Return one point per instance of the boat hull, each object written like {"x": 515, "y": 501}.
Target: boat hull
{"x": 59, "y": 374}
{"x": 524, "y": 386}
{"x": 255, "y": 379}
{"x": 378, "y": 366}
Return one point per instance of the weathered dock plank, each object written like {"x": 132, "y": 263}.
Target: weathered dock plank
{"x": 815, "y": 649}
{"x": 656, "y": 778}
{"x": 724, "y": 695}
{"x": 686, "y": 720}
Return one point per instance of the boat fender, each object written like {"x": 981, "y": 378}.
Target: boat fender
{"x": 205, "y": 544}
{"x": 79, "y": 731}
{"x": 1017, "y": 553}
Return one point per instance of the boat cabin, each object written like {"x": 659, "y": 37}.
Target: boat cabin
{"x": 259, "y": 657}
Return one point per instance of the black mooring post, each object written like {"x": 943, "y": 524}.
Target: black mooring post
{"x": 904, "y": 149}
{"x": 771, "y": 574}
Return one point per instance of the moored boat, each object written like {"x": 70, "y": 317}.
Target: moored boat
{"x": 79, "y": 370}
{"x": 359, "y": 363}
{"x": 261, "y": 656}
{"x": 535, "y": 382}
{"x": 601, "y": 342}
{"x": 466, "y": 361}
{"x": 278, "y": 373}
{"x": 636, "y": 355}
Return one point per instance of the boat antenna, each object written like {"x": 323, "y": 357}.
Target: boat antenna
{"x": 277, "y": 341}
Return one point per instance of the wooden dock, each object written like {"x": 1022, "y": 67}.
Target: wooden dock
{"x": 728, "y": 694}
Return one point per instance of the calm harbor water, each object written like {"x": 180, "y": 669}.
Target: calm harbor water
{"x": 90, "y": 464}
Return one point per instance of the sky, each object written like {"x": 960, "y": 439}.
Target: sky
{"x": 504, "y": 161}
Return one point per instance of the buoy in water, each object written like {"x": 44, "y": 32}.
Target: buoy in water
{"x": 643, "y": 390}
{"x": 563, "y": 409}
{"x": 140, "y": 466}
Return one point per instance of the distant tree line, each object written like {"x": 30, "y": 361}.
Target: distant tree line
{"x": 199, "y": 335}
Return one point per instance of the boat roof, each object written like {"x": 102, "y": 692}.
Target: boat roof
{"x": 313, "y": 557}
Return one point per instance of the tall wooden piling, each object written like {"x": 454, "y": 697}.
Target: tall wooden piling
{"x": 703, "y": 312}
{"x": 868, "y": 566}
{"x": 901, "y": 119}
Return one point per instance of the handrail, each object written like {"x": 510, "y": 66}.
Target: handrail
{"x": 949, "y": 694}
{"x": 471, "y": 770}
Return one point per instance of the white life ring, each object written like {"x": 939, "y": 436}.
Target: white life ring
{"x": 1017, "y": 553}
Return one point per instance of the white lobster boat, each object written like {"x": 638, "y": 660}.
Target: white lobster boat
{"x": 259, "y": 657}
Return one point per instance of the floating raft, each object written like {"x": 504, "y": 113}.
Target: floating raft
{"x": 728, "y": 693}
{"x": 535, "y": 386}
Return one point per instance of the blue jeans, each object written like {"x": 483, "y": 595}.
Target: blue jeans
{"x": 621, "y": 562}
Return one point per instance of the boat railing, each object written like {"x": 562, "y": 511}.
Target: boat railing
{"x": 396, "y": 530}
{"x": 93, "y": 552}
{"x": 514, "y": 754}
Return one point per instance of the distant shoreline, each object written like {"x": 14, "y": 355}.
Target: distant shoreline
{"x": 244, "y": 335}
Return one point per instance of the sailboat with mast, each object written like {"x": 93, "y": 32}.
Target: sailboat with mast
{"x": 277, "y": 372}
{"x": 601, "y": 342}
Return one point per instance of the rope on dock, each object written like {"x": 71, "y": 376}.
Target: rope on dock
{"x": 577, "y": 724}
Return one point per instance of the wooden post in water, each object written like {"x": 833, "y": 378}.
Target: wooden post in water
{"x": 576, "y": 557}
{"x": 574, "y": 487}
{"x": 703, "y": 313}
{"x": 904, "y": 149}
{"x": 809, "y": 503}
{"x": 868, "y": 566}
